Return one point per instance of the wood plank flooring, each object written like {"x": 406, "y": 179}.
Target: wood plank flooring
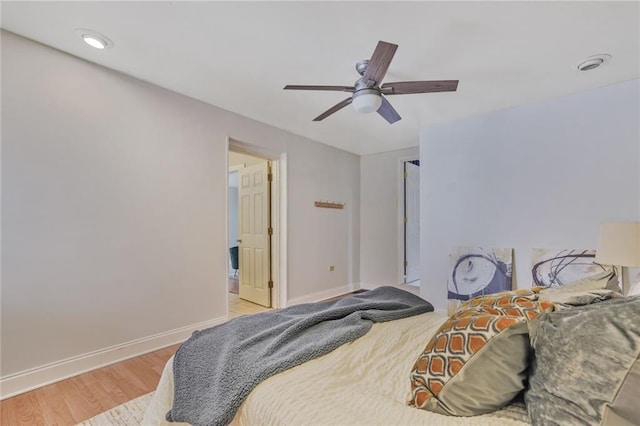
{"x": 79, "y": 398}
{"x": 238, "y": 307}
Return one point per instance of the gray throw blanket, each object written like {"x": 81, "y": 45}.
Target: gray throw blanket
{"x": 217, "y": 368}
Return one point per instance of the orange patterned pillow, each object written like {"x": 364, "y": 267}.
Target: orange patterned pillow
{"x": 527, "y": 309}
{"x": 477, "y": 360}
{"x": 505, "y": 298}
{"x": 519, "y": 303}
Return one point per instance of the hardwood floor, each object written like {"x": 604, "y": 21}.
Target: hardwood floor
{"x": 79, "y": 398}
{"x": 238, "y": 307}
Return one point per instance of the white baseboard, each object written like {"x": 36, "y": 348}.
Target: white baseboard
{"x": 324, "y": 294}
{"x": 33, "y": 378}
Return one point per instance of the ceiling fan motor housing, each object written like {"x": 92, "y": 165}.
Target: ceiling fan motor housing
{"x": 361, "y": 66}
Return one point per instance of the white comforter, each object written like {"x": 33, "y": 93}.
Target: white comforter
{"x": 365, "y": 382}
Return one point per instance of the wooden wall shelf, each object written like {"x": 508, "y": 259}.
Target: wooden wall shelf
{"x": 327, "y": 205}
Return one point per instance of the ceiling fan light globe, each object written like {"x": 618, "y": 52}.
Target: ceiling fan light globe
{"x": 367, "y": 102}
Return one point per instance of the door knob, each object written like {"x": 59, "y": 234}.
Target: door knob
{"x": 239, "y": 241}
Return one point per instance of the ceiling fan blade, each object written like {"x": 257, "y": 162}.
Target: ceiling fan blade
{"x": 331, "y": 88}
{"x": 409, "y": 87}
{"x": 379, "y": 62}
{"x": 337, "y": 107}
{"x": 387, "y": 111}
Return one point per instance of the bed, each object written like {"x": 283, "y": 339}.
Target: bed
{"x": 581, "y": 362}
{"x": 360, "y": 383}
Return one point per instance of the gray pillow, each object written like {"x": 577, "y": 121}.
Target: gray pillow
{"x": 592, "y": 289}
{"x": 570, "y": 299}
{"x": 585, "y": 367}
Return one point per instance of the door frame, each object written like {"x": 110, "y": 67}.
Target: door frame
{"x": 278, "y": 216}
{"x": 400, "y": 221}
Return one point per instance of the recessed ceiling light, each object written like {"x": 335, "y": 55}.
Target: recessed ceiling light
{"x": 593, "y": 62}
{"x": 94, "y": 38}
{"x": 93, "y": 42}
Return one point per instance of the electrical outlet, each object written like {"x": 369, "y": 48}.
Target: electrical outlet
{"x": 332, "y": 268}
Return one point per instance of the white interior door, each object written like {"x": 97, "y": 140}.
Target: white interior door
{"x": 253, "y": 231}
{"x": 412, "y": 222}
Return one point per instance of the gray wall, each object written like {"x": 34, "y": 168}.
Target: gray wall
{"x": 541, "y": 175}
{"x": 114, "y": 207}
{"x": 330, "y": 236}
{"x": 381, "y": 235}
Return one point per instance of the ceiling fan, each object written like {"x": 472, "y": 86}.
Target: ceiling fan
{"x": 368, "y": 94}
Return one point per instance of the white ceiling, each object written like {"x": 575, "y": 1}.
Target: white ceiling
{"x": 239, "y": 55}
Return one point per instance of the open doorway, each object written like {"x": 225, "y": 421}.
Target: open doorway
{"x": 253, "y": 231}
{"x": 411, "y": 222}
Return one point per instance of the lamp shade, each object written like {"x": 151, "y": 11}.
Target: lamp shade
{"x": 619, "y": 244}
